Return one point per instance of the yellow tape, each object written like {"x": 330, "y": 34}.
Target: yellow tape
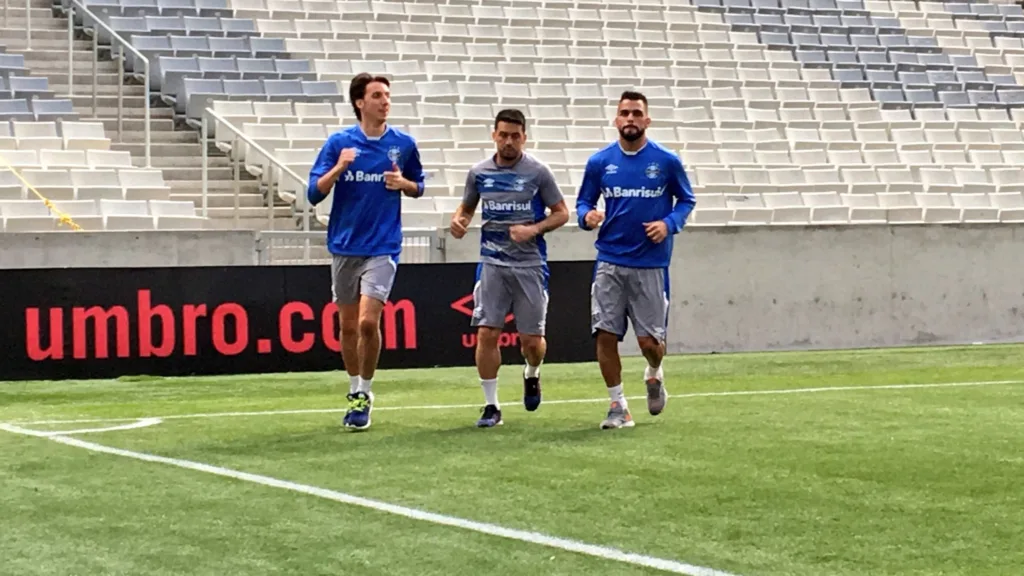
{"x": 61, "y": 216}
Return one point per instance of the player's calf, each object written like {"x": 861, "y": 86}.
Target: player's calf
{"x": 654, "y": 377}
{"x": 488, "y": 362}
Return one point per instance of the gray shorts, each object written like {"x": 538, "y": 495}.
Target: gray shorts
{"x": 639, "y": 294}
{"x": 501, "y": 291}
{"x": 352, "y": 276}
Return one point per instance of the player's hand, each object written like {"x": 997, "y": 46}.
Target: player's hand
{"x": 656, "y": 231}
{"x": 346, "y": 158}
{"x": 522, "y": 232}
{"x": 593, "y": 218}
{"x": 394, "y": 180}
{"x": 459, "y": 225}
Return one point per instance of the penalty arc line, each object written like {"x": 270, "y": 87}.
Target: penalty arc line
{"x": 567, "y": 545}
{"x": 776, "y": 392}
{"x": 141, "y": 423}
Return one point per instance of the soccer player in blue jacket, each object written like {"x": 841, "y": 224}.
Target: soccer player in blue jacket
{"x": 647, "y": 198}
{"x": 368, "y": 166}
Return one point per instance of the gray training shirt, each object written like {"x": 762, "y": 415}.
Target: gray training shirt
{"x": 517, "y": 194}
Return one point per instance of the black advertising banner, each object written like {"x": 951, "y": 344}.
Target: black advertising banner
{"x": 109, "y": 322}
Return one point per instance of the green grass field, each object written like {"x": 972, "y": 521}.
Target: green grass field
{"x": 853, "y": 480}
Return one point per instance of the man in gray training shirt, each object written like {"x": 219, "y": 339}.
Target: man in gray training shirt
{"x": 514, "y": 189}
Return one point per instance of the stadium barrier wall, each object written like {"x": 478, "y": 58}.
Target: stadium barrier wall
{"x": 733, "y": 289}
{"x": 108, "y": 322}
{"x": 826, "y": 287}
{"x": 118, "y": 249}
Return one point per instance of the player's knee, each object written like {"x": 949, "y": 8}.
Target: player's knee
{"x": 349, "y": 330}
{"x": 369, "y": 327}
{"x": 649, "y": 346}
{"x": 531, "y": 344}
{"x": 606, "y": 339}
{"x": 488, "y": 337}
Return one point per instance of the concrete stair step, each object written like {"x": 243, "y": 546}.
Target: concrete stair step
{"x": 15, "y": 40}
{"x": 220, "y": 200}
{"x": 50, "y": 59}
{"x": 158, "y": 148}
{"x": 109, "y": 100}
{"x": 9, "y": 34}
{"x": 195, "y": 173}
{"x": 83, "y": 80}
{"x": 106, "y": 112}
{"x": 84, "y": 90}
{"x": 196, "y": 186}
{"x": 42, "y": 18}
{"x": 156, "y": 125}
{"x": 161, "y": 137}
{"x": 259, "y": 215}
{"x": 194, "y": 163}
{"x": 229, "y": 223}
{"x": 48, "y": 4}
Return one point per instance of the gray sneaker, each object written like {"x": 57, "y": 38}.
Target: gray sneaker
{"x": 618, "y": 417}
{"x": 657, "y": 397}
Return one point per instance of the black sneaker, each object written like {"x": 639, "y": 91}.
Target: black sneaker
{"x": 531, "y": 393}
{"x": 490, "y": 418}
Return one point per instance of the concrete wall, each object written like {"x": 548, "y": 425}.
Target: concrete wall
{"x": 127, "y": 249}
{"x": 751, "y": 288}
{"x": 807, "y": 287}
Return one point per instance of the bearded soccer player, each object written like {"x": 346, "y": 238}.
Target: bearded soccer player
{"x": 368, "y": 166}
{"x": 515, "y": 190}
{"x": 647, "y": 198}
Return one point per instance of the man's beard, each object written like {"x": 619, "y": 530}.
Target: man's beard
{"x": 509, "y": 154}
{"x": 632, "y": 135}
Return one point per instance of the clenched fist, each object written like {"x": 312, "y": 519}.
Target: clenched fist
{"x": 459, "y": 225}
{"x": 346, "y": 158}
{"x": 593, "y": 218}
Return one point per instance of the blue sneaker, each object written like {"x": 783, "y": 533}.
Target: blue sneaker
{"x": 490, "y": 418}
{"x": 531, "y": 393}
{"x": 360, "y": 405}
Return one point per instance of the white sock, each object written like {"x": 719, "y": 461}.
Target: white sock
{"x": 532, "y": 371}
{"x": 490, "y": 391}
{"x": 653, "y": 373}
{"x": 365, "y": 385}
{"x": 353, "y": 384}
{"x": 615, "y": 393}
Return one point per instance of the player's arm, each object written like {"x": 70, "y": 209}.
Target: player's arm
{"x": 464, "y": 211}
{"x": 330, "y": 163}
{"x": 552, "y": 197}
{"x": 682, "y": 191}
{"x": 413, "y": 172}
{"x": 679, "y": 187}
{"x": 587, "y": 215}
{"x": 410, "y": 180}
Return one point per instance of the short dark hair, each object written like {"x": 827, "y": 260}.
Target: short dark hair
{"x": 357, "y": 89}
{"x": 633, "y": 95}
{"x": 512, "y": 116}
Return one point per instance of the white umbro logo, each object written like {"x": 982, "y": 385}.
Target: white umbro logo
{"x": 488, "y": 182}
{"x": 611, "y": 169}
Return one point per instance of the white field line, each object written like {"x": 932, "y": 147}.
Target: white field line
{"x": 141, "y": 423}
{"x": 546, "y": 402}
{"x": 412, "y": 513}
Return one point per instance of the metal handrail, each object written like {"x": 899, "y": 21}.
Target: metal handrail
{"x": 28, "y": 20}
{"x": 122, "y": 45}
{"x": 204, "y": 142}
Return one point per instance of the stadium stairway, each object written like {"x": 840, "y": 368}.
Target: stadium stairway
{"x": 174, "y": 149}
